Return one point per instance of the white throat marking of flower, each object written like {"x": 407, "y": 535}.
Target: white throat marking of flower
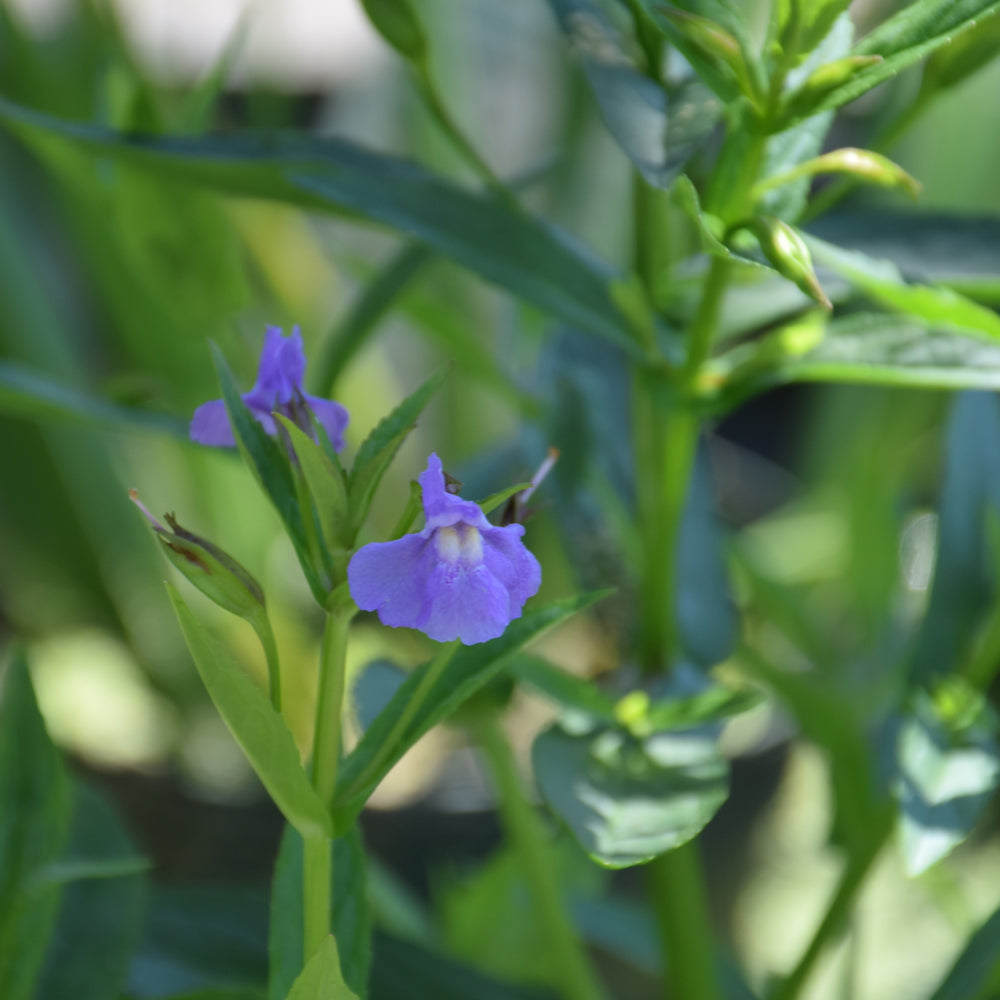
{"x": 459, "y": 542}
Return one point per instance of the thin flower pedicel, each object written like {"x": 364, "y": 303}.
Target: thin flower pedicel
{"x": 278, "y": 389}
{"x": 459, "y": 578}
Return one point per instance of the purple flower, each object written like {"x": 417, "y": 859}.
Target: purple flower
{"x": 460, "y": 578}
{"x": 278, "y": 389}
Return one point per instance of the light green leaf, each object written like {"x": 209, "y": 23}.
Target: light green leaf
{"x": 258, "y": 729}
{"x": 468, "y": 670}
{"x": 567, "y": 690}
{"x": 327, "y": 483}
{"x": 627, "y": 800}
{"x": 482, "y": 232}
{"x": 321, "y": 978}
{"x": 912, "y": 34}
{"x": 380, "y": 447}
{"x": 34, "y": 821}
{"x": 881, "y": 280}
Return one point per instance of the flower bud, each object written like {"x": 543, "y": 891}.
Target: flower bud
{"x": 784, "y": 247}
{"x": 215, "y": 573}
{"x": 823, "y": 81}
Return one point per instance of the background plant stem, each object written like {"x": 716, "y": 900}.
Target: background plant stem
{"x": 525, "y": 834}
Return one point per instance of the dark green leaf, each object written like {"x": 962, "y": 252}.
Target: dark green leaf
{"x": 482, "y": 232}
{"x": 976, "y": 967}
{"x": 351, "y": 922}
{"x": 199, "y": 939}
{"x": 468, "y": 671}
{"x": 945, "y": 776}
{"x": 963, "y": 587}
{"x": 380, "y": 447}
{"x": 34, "y": 821}
{"x": 397, "y": 22}
{"x": 101, "y": 911}
{"x": 658, "y": 136}
{"x": 259, "y": 730}
{"x": 34, "y": 396}
{"x": 402, "y": 969}
{"x": 627, "y": 800}
{"x": 494, "y": 500}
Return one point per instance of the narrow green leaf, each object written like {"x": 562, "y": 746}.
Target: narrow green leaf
{"x": 494, "y": 500}
{"x": 321, "y": 979}
{"x": 397, "y": 22}
{"x": 912, "y": 34}
{"x": 258, "y": 729}
{"x": 34, "y": 396}
{"x": 627, "y": 800}
{"x": 522, "y": 254}
{"x": 977, "y": 967}
{"x": 963, "y": 56}
{"x": 867, "y": 349}
{"x": 34, "y": 821}
{"x": 380, "y": 447}
{"x": 467, "y": 672}
{"x": 658, "y": 135}
{"x": 327, "y": 484}
{"x": 350, "y": 915}
{"x": 101, "y": 912}
{"x": 881, "y": 280}
{"x": 270, "y": 468}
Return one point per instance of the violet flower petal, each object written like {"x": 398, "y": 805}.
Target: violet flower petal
{"x": 332, "y": 417}
{"x": 388, "y": 577}
{"x": 210, "y": 425}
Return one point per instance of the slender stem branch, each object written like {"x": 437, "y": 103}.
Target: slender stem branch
{"x": 262, "y": 626}
{"x": 706, "y": 319}
{"x": 524, "y": 832}
{"x": 681, "y": 908}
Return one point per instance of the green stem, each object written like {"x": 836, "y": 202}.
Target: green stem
{"x": 317, "y": 884}
{"x": 524, "y": 832}
{"x": 390, "y": 745}
{"x": 837, "y": 913}
{"x": 317, "y": 890}
{"x": 262, "y": 626}
{"x": 681, "y": 909}
{"x": 706, "y": 319}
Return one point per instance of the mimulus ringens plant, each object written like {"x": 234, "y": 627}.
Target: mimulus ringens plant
{"x": 459, "y": 578}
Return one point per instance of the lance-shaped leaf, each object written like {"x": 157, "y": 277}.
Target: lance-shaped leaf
{"x": 397, "y": 22}
{"x": 350, "y": 915}
{"x": 882, "y": 281}
{"x": 947, "y": 769}
{"x": 404, "y": 720}
{"x": 965, "y": 55}
{"x": 658, "y": 134}
{"x": 861, "y": 349}
{"x": 626, "y": 800}
{"x": 34, "y": 821}
{"x": 380, "y": 447}
{"x": 482, "y": 232}
{"x": 910, "y": 35}
{"x": 256, "y": 726}
{"x": 977, "y": 966}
